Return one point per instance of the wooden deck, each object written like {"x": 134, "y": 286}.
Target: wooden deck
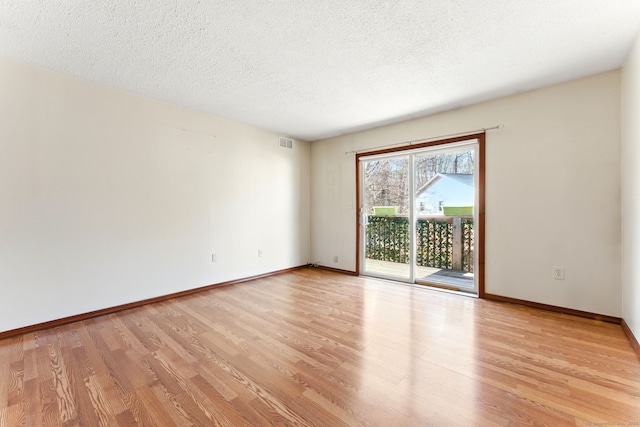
{"x": 426, "y": 275}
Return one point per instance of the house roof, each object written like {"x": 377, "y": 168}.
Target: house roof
{"x": 466, "y": 179}
{"x": 312, "y": 69}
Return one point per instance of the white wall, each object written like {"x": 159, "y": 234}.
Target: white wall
{"x": 108, "y": 198}
{"x": 552, "y": 191}
{"x": 631, "y": 190}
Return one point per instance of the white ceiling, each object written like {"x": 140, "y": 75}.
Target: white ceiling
{"x": 311, "y": 69}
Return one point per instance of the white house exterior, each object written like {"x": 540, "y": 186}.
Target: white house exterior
{"x": 444, "y": 190}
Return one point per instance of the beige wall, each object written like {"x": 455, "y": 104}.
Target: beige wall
{"x": 631, "y": 190}
{"x": 552, "y": 191}
{"x": 108, "y": 198}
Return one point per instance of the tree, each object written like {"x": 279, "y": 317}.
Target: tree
{"x": 386, "y": 181}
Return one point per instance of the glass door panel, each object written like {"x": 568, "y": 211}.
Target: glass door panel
{"x": 445, "y": 197}
{"x": 385, "y": 217}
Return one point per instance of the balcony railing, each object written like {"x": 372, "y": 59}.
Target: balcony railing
{"x": 441, "y": 242}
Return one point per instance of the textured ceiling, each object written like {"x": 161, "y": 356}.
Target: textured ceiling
{"x": 310, "y": 69}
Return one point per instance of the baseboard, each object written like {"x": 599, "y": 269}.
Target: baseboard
{"x": 110, "y": 310}
{"x": 632, "y": 339}
{"x": 335, "y": 270}
{"x": 563, "y": 310}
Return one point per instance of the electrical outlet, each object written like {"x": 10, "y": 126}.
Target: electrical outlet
{"x": 558, "y": 273}
{"x": 259, "y": 253}
{"x": 335, "y": 259}
{"x": 214, "y": 257}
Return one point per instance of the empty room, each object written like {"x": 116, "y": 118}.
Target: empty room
{"x": 365, "y": 213}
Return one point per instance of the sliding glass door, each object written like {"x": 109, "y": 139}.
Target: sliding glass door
{"x": 419, "y": 215}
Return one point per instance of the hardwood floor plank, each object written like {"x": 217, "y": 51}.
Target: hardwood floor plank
{"x": 105, "y": 416}
{"x": 48, "y": 405}
{"x": 126, "y": 419}
{"x": 341, "y": 394}
{"x": 5, "y": 361}
{"x": 224, "y": 414}
{"x": 169, "y": 389}
{"x": 157, "y": 408}
{"x": 13, "y": 416}
{"x": 325, "y": 409}
{"x": 317, "y": 348}
{"x": 194, "y": 399}
{"x": 136, "y": 413}
{"x": 162, "y": 405}
{"x": 15, "y": 380}
{"x": 65, "y": 392}
{"x": 85, "y": 412}
{"x": 217, "y": 379}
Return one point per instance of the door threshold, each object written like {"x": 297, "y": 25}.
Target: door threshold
{"x": 439, "y": 286}
{"x": 445, "y": 288}
{"x": 426, "y": 286}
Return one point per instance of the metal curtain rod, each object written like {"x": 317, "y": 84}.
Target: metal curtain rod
{"x": 431, "y": 138}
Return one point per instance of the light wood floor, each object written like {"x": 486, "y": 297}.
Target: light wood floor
{"x": 318, "y": 348}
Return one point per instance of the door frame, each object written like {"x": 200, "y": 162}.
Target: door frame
{"x": 480, "y": 167}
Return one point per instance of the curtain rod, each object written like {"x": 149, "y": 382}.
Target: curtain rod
{"x": 431, "y": 138}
